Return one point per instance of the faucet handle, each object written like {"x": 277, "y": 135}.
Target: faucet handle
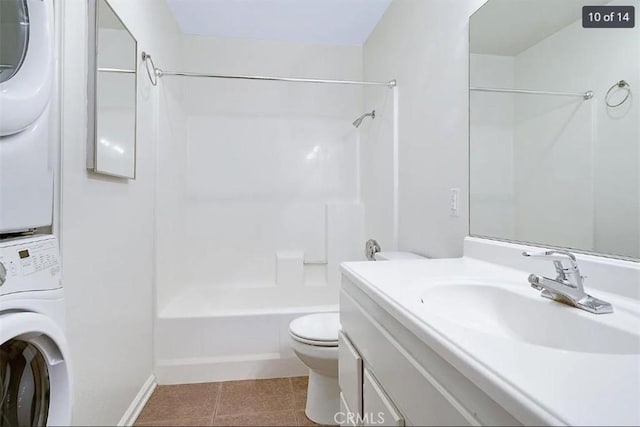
{"x": 557, "y": 257}
{"x": 534, "y": 281}
{"x": 550, "y": 255}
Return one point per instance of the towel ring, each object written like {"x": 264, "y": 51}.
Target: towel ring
{"x": 152, "y": 73}
{"x": 622, "y": 85}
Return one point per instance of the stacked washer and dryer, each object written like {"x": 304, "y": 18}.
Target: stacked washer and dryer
{"x": 35, "y": 386}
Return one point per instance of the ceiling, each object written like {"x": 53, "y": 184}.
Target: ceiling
{"x": 508, "y": 27}
{"x": 107, "y": 18}
{"x": 333, "y": 22}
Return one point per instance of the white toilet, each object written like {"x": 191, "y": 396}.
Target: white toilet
{"x": 315, "y": 342}
{"x": 314, "y": 339}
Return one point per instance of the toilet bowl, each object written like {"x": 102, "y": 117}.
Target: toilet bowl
{"x": 314, "y": 339}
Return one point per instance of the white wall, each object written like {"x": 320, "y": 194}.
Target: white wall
{"x": 262, "y": 167}
{"x": 424, "y": 45}
{"x": 107, "y": 226}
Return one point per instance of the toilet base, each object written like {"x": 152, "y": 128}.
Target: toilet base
{"x": 323, "y": 398}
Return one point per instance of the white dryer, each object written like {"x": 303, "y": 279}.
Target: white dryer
{"x": 26, "y": 79}
{"x": 35, "y": 383}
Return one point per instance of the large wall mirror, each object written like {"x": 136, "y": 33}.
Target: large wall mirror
{"x": 555, "y": 128}
{"x": 112, "y": 94}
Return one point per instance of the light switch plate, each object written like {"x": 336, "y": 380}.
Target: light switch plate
{"x": 454, "y": 202}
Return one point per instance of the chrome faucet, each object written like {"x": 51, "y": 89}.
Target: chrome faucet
{"x": 568, "y": 287}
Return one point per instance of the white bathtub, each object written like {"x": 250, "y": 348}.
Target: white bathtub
{"x": 209, "y": 333}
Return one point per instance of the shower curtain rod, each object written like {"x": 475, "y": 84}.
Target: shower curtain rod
{"x": 117, "y": 70}
{"x": 162, "y": 73}
{"x": 157, "y": 73}
{"x": 586, "y": 95}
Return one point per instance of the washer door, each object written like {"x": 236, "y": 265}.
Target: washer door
{"x": 26, "y": 62}
{"x": 34, "y": 378}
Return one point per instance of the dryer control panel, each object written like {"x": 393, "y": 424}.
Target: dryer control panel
{"x": 29, "y": 264}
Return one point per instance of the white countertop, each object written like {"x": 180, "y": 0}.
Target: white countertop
{"x": 535, "y": 383}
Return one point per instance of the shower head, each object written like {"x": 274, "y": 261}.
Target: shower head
{"x": 357, "y": 122}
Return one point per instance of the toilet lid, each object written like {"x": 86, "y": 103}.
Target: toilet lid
{"x": 322, "y": 327}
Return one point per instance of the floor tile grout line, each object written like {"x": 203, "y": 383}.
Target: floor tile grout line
{"x": 295, "y": 417}
{"x": 295, "y": 403}
{"x": 244, "y": 412}
{"x": 292, "y": 412}
{"x": 293, "y": 394}
{"x": 248, "y": 414}
{"x": 215, "y": 407}
{"x": 240, "y": 414}
{"x": 171, "y": 420}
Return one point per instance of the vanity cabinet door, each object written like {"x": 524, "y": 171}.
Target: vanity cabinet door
{"x": 350, "y": 374}
{"x": 378, "y": 409}
{"x": 346, "y": 417}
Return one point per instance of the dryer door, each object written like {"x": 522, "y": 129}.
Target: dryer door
{"x": 26, "y": 62}
{"x": 14, "y": 17}
{"x": 26, "y": 146}
{"x": 34, "y": 377}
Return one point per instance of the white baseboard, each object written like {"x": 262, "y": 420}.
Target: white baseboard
{"x": 139, "y": 401}
{"x": 255, "y": 366}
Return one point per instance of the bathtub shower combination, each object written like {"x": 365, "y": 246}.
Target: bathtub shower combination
{"x": 259, "y": 206}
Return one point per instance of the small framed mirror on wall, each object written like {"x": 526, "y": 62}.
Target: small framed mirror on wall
{"x": 112, "y": 116}
{"x": 554, "y": 128}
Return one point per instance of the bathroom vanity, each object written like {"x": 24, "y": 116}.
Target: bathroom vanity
{"x": 467, "y": 341}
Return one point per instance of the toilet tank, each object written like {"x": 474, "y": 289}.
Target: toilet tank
{"x": 394, "y": 256}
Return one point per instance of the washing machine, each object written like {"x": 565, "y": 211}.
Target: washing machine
{"x": 27, "y": 151}
{"x": 35, "y": 378}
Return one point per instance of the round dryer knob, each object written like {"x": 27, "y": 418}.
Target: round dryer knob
{"x": 3, "y": 274}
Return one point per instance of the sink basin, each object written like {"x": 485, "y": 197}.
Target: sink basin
{"x": 500, "y": 311}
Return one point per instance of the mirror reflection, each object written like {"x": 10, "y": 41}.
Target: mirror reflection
{"x": 555, "y": 135}
{"x": 115, "y": 96}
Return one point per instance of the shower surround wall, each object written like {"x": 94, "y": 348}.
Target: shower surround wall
{"x": 257, "y": 205}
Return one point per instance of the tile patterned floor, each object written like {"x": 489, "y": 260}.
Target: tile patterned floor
{"x": 272, "y": 402}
